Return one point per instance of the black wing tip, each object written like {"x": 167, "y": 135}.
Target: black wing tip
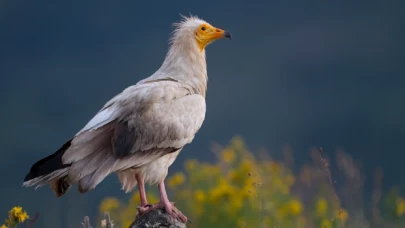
{"x": 48, "y": 164}
{"x": 29, "y": 176}
{"x": 33, "y": 173}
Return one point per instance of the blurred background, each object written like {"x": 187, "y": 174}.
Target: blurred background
{"x": 296, "y": 75}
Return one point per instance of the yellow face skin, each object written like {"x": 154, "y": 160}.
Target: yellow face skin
{"x": 207, "y": 33}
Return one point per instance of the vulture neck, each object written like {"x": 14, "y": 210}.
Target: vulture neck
{"x": 185, "y": 63}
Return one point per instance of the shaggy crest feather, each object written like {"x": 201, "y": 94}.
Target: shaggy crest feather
{"x": 185, "y": 27}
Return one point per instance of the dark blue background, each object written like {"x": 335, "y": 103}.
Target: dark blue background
{"x": 299, "y": 73}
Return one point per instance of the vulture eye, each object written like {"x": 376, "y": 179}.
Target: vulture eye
{"x": 203, "y": 28}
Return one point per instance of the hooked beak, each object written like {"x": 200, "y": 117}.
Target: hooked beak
{"x": 227, "y": 35}
{"x": 218, "y": 33}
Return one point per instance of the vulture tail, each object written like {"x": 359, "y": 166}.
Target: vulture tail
{"x": 50, "y": 170}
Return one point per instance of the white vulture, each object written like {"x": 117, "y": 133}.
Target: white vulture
{"x": 139, "y": 133}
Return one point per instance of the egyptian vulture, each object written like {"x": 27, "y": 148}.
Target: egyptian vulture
{"x": 139, "y": 133}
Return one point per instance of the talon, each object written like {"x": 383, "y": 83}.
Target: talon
{"x": 175, "y": 213}
{"x": 168, "y": 207}
{"x": 143, "y": 209}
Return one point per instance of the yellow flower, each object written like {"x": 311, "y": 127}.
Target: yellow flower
{"x": 3, "y": 226}
{"x": 199, "y": 195}
{"x": 400, "y": 206}
{"x": 295, "y": 207}
{"x": 222, "y": 191}
{"x": 246, "y": 166}
{"x": 342, "y": 214}
{"x": 228, "y": 156}
{"x": 190, "y": 165}
{"x": 176, "y": 180}
{"x": 321, "y": 206}
{"x": 17, "y": 215}
{"x": 22, "y": 217}
{"x": 326, "y": 223}
{"x": 109, "y": 204}
{"x": 15, "y": 211}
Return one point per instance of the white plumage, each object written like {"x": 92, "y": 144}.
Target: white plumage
{"x": 139, "y": 133}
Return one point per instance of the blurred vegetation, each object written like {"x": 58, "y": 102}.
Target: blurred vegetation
{"x": 15, "y": 216}
{"x": 243, "y": 190}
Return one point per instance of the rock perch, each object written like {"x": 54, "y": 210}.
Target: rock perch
{"x": 157, "y": 219}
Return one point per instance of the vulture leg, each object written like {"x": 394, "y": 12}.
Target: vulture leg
{"x": 164, "y": 204}
{"x": 141, "y": 186}
{"x": 169, "y": 206}
{"x": 142, "y": 194}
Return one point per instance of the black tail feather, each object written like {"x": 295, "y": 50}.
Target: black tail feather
{"x": 48, "y": 164}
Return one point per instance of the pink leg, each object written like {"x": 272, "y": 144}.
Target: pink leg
{"x": 169, "y": 206}
{"x": 163, "y": 204}
{"x": 141, "y": 187}
{"x": 163, "y": 195}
